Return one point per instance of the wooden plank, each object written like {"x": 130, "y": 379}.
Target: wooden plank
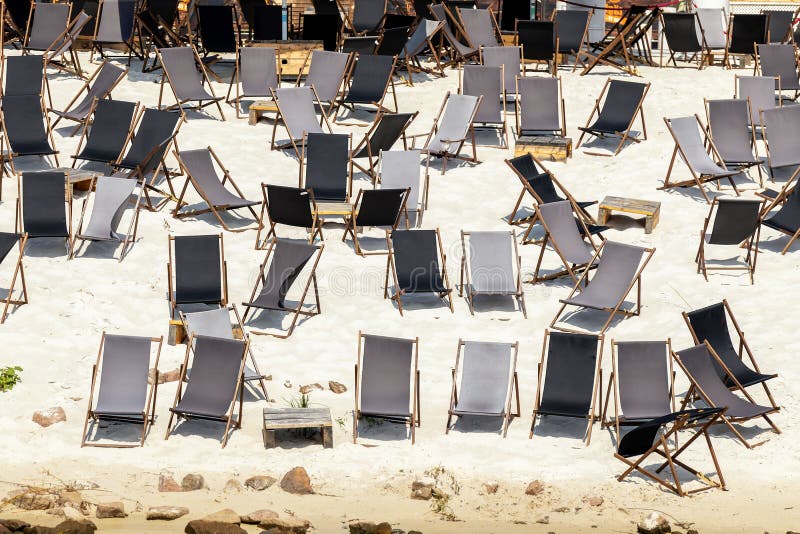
{"x": 334, "y": 208}
{"x": 630, "y": 205}
{"x": 546, "y": 147}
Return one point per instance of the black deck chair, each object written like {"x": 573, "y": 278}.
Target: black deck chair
{"x": 787, "y": 219}
{"x": 200, "y": 167}
{"x": 47, "y": 24}
{"x": 104, "y": 139}
{"x": 684, "y": 35}
{"x": 289, "y": 259}
{"x": 513, "y": 10}
{"x": 711, "y": 324}
{"x": 569, "y": 377}
{"x": 369, "y": 83}
{"x": 652, "y": 437}
{"x": 116, "y": 26}
{"x": 292, "y": 206}
{"x": 7, "y": 242}
{"x": 324, "y": 167}
{"x": 745, "y": 31}
{"x": 17, "y": 13}
{"x": 200, "y": 273}
{"x": 367, "y": 15}
{"x": 187, "y": 77}
{"x": 24, "y": 75}
{"x": 397, "y": 20}
{"x": 736, "y": 225}
{"x": 622, "y": 104}
{"x": 219, "y": 32}
{"x": 263, "y": 21}
{"x": 326, "y": 7}
{"x": 572, "y": 33}
{"x": 379, "y": 208}
{"x": 779, "y": 61}
{"x": 215, "y": 383}
{"x": 155, "y": 22}
{"x": 700, "y": 364}
{"x": 459, "y": 52}
{"x": 98, "y": 86}
{"x": 779, "y": 25}
{"x": 729, "y": 131}
{"x": 123, "y": 393}
{"x": 414, "y": 261}
{"x": 325, "y": 28}
{"x": 42, "y": 211}
{"x": 387, "y": 130}
{"x": 393, "y": 41}
{"x": 421, "y": 9}
{"x": 258, "y": 73}
{"x": 359, "y": 44}
{"x": 539, "y": 42}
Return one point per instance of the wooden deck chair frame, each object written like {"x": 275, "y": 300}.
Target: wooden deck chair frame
{"x": 416, "y": 413}
{"x": 301, "y": 175}
{"x": 129, "y": 44}
{"x": 597, "y": 390}
{"x": 316, "y": 228}
{"x": 573, "y": 270}
{"x": 333, "y": 105}
{"x": 624, "y": 136}
{"x": 772, "y": 203}
{"x": 513, "y": 390}
{"x": 753, "y": 143}
{"x": 18, "y": 222}
{"x": 696, "y": 390}
{"x": 379, "y": 104}
{"x": 465, "y": 280}
{"x": 629, "y": 33}
{"x": 149, "y": 414}
{"x": 236, "y": 79}
{"x": 73, "y": 56}
{"x": 365, "y": 144}
{"x": 86, "y": 85}
{"x": 766, "y": 146}
{"x": 501, "y": 127}
{"x": 146, "y": 35}
{"x": 703, "y": 58}
{"x": 455, "y": 56}
{"x": 518, "y": 108}
{"x": 171, "y": 274}
{"x": 292, "y": 143}
{"x": 19, "y": 271}
{"x": 750, "y": 245}
{"x": 352, "y": 229}
{"x": 179, "y": 104}
{"x": 583, "y": 280}
{"x": 778, "y": 90}
{"x": 347, "y": 21}
{"x": 412, "y": 62}
{"x": 296, "y": 311}
{"x": 551, "y": 65}
{"x": 581, "y": 52}
{"x": 7, "y": 155}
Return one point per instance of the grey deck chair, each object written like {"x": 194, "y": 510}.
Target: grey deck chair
{"x": 217, "y": 323}
{"x": 111, "y": 197}
{"x": 186, "y": 75}
{"x": 384, "y": 133}
{"x": 414, "y": 261}
{"x": 379, "y": 208}
{"x": 201, "y": 172}
{"x": 569, "y": 377}
{"x": 324, "y": 166}
{"x": 99, "y": 86}
{"x": 487, "y": 83}
{"x": 779, "y": 61}
{"x": 541, "y": 106}
{"x": 367, "y": 15}
{"x": 452, "y": 128}
{"x": 24, "y": 75}
{"x": 419, "y": 42}
{"x": 491, "y": 265}
{"x": 567, "y": 239}
{"x": 257, "y": 71}
{"x": 642, "y": 383}
{"x": 698, "y": 363}
{"x": 123, "y": 393}
{"x": 711, "y": 324}
{"x": 387, "y": 381}
{"x": 779, "y": 25}
{"x": 572, "y": 33}
{"x": 215, "y": 383}
{"x": 296, "y": 112}
{"x": 400, "y": 169}
{"x": 713, "y": 23}
{"x": 116, "y": 26}
{"x": 620, "y": 108}
{"x": 459, "y": 52}
{"x": 736, "y": 225}
{"x": 289, "y": 259}
{"x": 484, "y": 382}
{"x": 480, "y": 27}
{"x": 619, "y": 268}
{"x": 691, "y": 140}
{"x": 728, "y": 127}
{"x": 44, "y": 206}
{"x": 761, "y": 92}
{"x": 104, "y": 139}
{"x": 782, "y": 135}
{"x": 683, "y": 35}
{"x": 292, "y": 206}
{"x": 7, "y": 242}
{"x": 327, "y": 73}
{"x": 508, "y": 57}
{"x": 371, "y": 80}
{"x": 197, "y": 273}
{"x": 47, "y": 24}
{"x": 62, "y": 53}
{"x": 787, "y": 219}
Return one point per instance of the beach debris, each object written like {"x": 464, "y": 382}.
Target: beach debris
{"x": 368, "y": 527}
{"x": 292, "y": 525}
{"x": 164, "y": 376}
{"x": 287, "y": 384}
{"x": 296, "y": 481}
{"x": 166, "y": 483}
{"x": 544, "y": 520}
{"x": 71, "y": 526}
{"x": 66, "y": 512}
{"x": 49, "y": 416}
{"x": 14, "y": 525}
{"x": 534, "y": 488}
{"x": 106, "y": 510}
{"x": 233, "y": 486}
{"x": 422, "y": 489}
{"x": 254, "y": 518}
{"x": 337, "y": 387}
{"x": 491, "y": 487}
{"x": 654, "y": 523}
{"x": 593, "y": 500}
{"x": 32, "y": 499}
{"x": 223, "y": 516}
{"x": 562, "y": 509}
{"x": 260, "y": 482}
{"x": 166, "y": 513}
{"x": 193, "y": 482}
{"x": 308, "y": 388}
{"x": 203, "y": 526}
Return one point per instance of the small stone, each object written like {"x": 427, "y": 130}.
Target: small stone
{"x": 203, "y": 526}
{"x": 260, "y": 482}
{"x": 297, "y": 481}
{"x": 193, "y": 482}
{"x": 308, "y": 388}
{"x": 562, "y": 509}
{"x": 337, "y": 387}
{"x": 367, "y": 527}
{"x": 223, "y": 516}
{"x": 287, "y": 384}
{"x": 654, "y": 523}
{"x": 70, "y": 526}
{"x": 233, "y": 486}
{"x": 108, "y": 510}
{"x": 544, "y": 520}
{"x": 491, "y": 487}
{"x": 593, "y": 501}
{"x": 422, "y": 490}
{"x": 166, "y": 513}
{"x": 50, "y": 416}
{"x": 31, "y": 500}
{"x": 166, "y": 484}
{"x": 534, "y": 488}
{"x": 14, "y": 524}
{"x": 4, "y": 530}
{"x": 254, "y": 518}
{"x": 285, "y": 526}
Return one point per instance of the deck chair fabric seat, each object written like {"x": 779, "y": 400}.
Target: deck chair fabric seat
{"x": 508, "y": 57}
{"x": 367, "y": 15}
{"x": 728, "y": 125}
{"x": 541, "y": 107}
{"x": 98, "y": 86}
{"x": 292, "y": 206}
{"x": 745, "y": 30}
{"x": 780, "y": 61}
{"x": 105, "y": 140}
{"x": 298, "y": 115}
{"x": 623, "y": 102}
{"x": 48, "y": 23}
{"x": 370, "y": 81}
{"x": 566, "y": 238}
{"x": 384, "y": 133}
{"x": 684, "y": 36}
{"x": 111, "y": 197}
{"x": 760, "y": 91}
{"x": 480, "y": 27}
{"x": 415, "y": 266}
{"x": 642, "y": 381}
{"x": 155, "y": 131}
{"x": 572, "y": 28}
{"x": 255, "y": 75}
{"x": 687, "y": 134}
{"x": 44, "y": 212}
{"x": 325, "y": 167}
{"x": 487, "y": 82}
{"x": 61, "y": 53}
{"x": 379, "y": 208}
{"x": 185, "y": 74}
{"x": 787, "y": 219}
{"x": 199, "y": 271}
{"x": 393, "y": 41}
{"x": 491, "y": 265}
{"x": 400, "y": 169}
{"x": 23, "y": 75}
{"x": 460, "y": 52}
{"x": 487, "y": 370}
{"x": 713, "y": 21}
{"x": 779, "y": 25}
{"x": 782, "y": 134}
{"x": 538, "y": 41}
{"x": 26, "y": 127}
{"x": 736, "y": 224}
{"x": 116, "y": 25}
{"x": 327, "y": 72}
{"x": 452, "y": 128}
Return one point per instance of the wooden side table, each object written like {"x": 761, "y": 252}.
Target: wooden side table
{"x": 650, "y": 209}
{"x": 259, "y": 108}
{"x": 285, "y": 418}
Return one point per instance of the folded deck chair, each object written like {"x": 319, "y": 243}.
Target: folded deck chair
{"x": 370, "y": 82}
{"x": 197, "y": 273}
{"x": 62, "y": 54}
{"x": 569, "y": 377}
{"x": 24, "y": 75}
{"x": 422, "y": 41}
{"x": 700, "y": 364}
{"x": 779, "y": 61}
{"x": 761, "y": 93}
{"x": 44, "y": 206}
{"x": 297, "y": 113}
{"x": 508, "y": 57}
{"x": 387, "y": 130}
{"x": 745, "y": 31}
{"x": 487, "y": 83}
{"x": 116, "y": 27}
{"x": 288, "y": 261}
{"x": 728, "y": 129}
{"x": 567, "y": 239}
{"x": 711, "y": 324}
{"x": 292, "y": 206}
{"x": 219, "y": 33}
{"x": 414, "y": 257}
{"x": 539, "y": 42}
{"x": 619, "y": 268}
{"x": 387, "y": 381}
{"x": 642, "y": 383}
{"x": 98, "y": 86}
{"x": 451, "y": 130}
{"x": 217, "y": 323}
{"x": 47, "y": 24}
{"x": 186, "y": 76}
{"x": 480, "y": 27}
{"x": 572, "y": 33}
{"x": 781, "y": 128}
{"x": 111, "y": 197}
{"x": 652, "y": 437}
{"x": 736, "y": 225}
{"x": 779, "y": 25}
{"x": 705, "y": 164}
{"x": 491, "y": 265}
{"x": 215, "y": 383}
{"x": 155, "y": 23}
{"x": 7, "y": 242}
{"x": 257, "y": 71}
{"x": 458, "y": 51}
{"x": 484, "y": 381}
{"x": 684, "y": 35}
{"x": 327, "y": 73}
{"x": 400, "y": 169}
{"x": 366, "y": 17}
{"x": 787, "y": 219}
{"x": 123, "y": 393}
{"x": 379, "y": 208}
{"x": 541, "y": 106}
{"x": 622, "y": 104}
{"x": 105, "y": 138}
{"x": 201, "y": 172}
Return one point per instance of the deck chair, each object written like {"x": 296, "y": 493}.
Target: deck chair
{"x": 186, "y": 76}
{"x": 24, "y": 75}
{"x": 781, "y": 128}
{"x": 691, "y": 140}
{"x": 366, "y": 17}
{"x": 104, "y": 139}
{"x": 387, "y": 381}
{"x": 370, "y": 82}
{"x": 761, "y": 92}
{"x": 491, "y": 265}
{"x": 480, "y": 27}
{"x": 292, "y": 206}
{"x": 728, "y": 129}
{"x": 779, "y": 25}
{"x": 619, "y": 268}
{"x": 652, "y": 437}
{"x": 325, "y": 28}
{"x": 116, "y": 26}
{"x": 197, "y": 273}
{"x": 710, "y": 324}
{"x": 400, "y": 169}
{"x": 123, "y": 393}
{"x": 98, "y": 86}
{"x": 507, "y": 57}
{"x": 384, "y": 133}
{"x": 16, "y": 17}
{"x": 263, "y": 20}
{"x": 111, "y": 197}
{"x": 361, "y": 45}
{"x": 48, "y": 23}
{"x": 257, "y": 71}
{"x": 420, "y": 42}
{"x": 379, "y": 208}
{"x": 326, "y": 74}
{"x": 155, "y": 22}
{"x": 787, "y": 219}
{"x": 745, "y": 31}
{"x": 44, "y": 206}
{"x": 486, "y": 83}
{"x": 459, "y": 52}
{"x": 219, "y": 32}
{"x": 392, "y": 42}
{"x": 622, "y": 104}
{"x": 700, "y": 364}
{"x": 288, "y": 261}
{"x": 569, "y": 378}
{"x": 642, "y": 383}
{"x": 714, "y": 26}
{"x": 200, "y": 170}
{"x": 451, "y": 130}
{"x": 572, "y": 33}
{"x": 7, "y": 242}
{"x": 737, "y": 225}
{"x": 414, "y": 257}
{"x": 62, "y": 54}
{"x": 567, "y": 239}
{"x": 541, "y": 106}
{"x": 298, "y": 115}
{"x": 392, "y": 21}
{"x": 539, "y": 43}
{"x": 684, "y": 35}
{"x": 779, "y": 61}
{"x": 217, "y": 323}
{"x": 324, "y": 167}
{"x": 215, "y": 383}
{"x": 484, "y": 382}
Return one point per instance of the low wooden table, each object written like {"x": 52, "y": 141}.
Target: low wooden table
{"x": 544, "y": 147}
{"x": 334, "y": 209}
{"x": 177, "y": 333}
{"x": 258, "y": 108}
{"x": 650, "y": 209}
{"x": 286, "y": 418}
{"x": 292, "y": 54}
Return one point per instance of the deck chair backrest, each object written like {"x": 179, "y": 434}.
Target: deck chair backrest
{"x": 198, "y": 269}
{"x": 323, "y": 28}
{"x": 712, "y": 20}
{"x": 418, "y": 40}
{"x": 325, "y": 73}
{"x": 540, "y": 105}
{"x": 746, "y": 31}
{"x": 479, "y": 80}
{"x": 258, "y": 70}
{"x": 486, "y": 372}
{"x": 200, "y": 166}
{"x": 400, "y": 169}
{"x": 216, "y": 368}
{"x": 109, "y": 131}
{"x": 538, "y": 39}
{"x": 560, "y": 221}
{"x": 491, "y": 262}
{"x": 24, "y": 75}
{"x": 681, "y": 32}
{"x": 326, "y": 165}
{"x": 645, "y": 436}
{"x": 616, "y": 271}
{"x": 780, "y": 61}
{"x": 393, "y": 41}
{"x": 760, "y": 90}
{"x": 49, "y": 22}
{"x": 380, "y": 207}
{"x": 479, "y": 26}
{"x": 370, "y": 78}
{"x": 509, "y": 57}
{"x": 387, "y": 365}
{"x": 525, "y": 166}
{"x": 571, "y": 27}
{"x": 621, "y": 104}
{"x": 288, "y": 260}
{"x": 156, "y": 128}
{"x": 454, "y": 123}
{"x": 397, "y": 20}
{"x": 325, "y": 7}
{"x": 116, "y": 21}
{"x": 693, "y": 149}
{"x": 110, "y": 200}
{"x": 387, "y": 132}
{"x": 124, "y": 368}
{"x": 43, "y": 207}
{"x": 289, "y": 205}
{"x": 779, "y": 24}
{"x": 24, "y": 123}
{"x": 362, "y": 45}
{"x": 75, "y": 29}
{"x": 727, "y": 122}
{"x": 298, "y": 111}
{"x": 216, "y": 28}
{"x": 367, "y": 14}
{"x": 184, "y": 76}
{"x": 439, "y": 13}
{"x": 710, "y": 324}
{"x": 643, "y": 379}
{"x": 265, "y": 22}
{"x": 416, "y": 257}
{"x": 735, "y": 222}
{"x": 570, "y": 372}
{"x": 213, "y": 323}
{"x": 107, "y": 78}
{"x": 783, "y": 135}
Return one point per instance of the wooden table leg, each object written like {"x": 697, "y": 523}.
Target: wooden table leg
{"x": 602, "y": 215}
{"x": 252, "y": 117}
{"x": 327, "y": 437}
{"x": 269, "y": 439}
{"x": 648, "y": 224}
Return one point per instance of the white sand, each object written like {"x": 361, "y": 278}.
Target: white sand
{"x": 55, "y": 340}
